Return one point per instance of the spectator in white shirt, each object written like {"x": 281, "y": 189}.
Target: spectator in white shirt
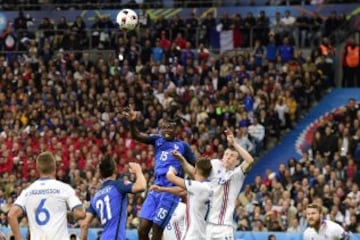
{"x": 354, "y": 195}
{"x": 288, "y": 22}
{"x": 294, "y": 226}
{"x": 257, "y": 133}
{"x": 242, "y": 138}
{"x": 335, "y": 215}
{"x": 282, "y": 110}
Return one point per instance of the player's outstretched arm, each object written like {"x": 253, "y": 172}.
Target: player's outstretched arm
{"x": 188, "y": 168}
{"x": 249, "y": 160}
{"x": 174, "y": 190}
{"x": 14, "y": 213}
{"x": 171, "y": 176}
{"x": 84, "y": 226}
{"x": 140, "y": 183}
{"x": 130, "y": 113}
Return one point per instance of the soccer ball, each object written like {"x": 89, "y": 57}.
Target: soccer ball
{"x": 127, "y": 19}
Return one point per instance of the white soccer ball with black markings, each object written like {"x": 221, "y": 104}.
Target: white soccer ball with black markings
{"x": 127, "y": 19}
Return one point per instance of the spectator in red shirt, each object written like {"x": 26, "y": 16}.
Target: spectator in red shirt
{"x": 180, "y": 41}
{"x": 164, "y": 41}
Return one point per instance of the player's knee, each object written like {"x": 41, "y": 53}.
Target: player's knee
{"x": 157, "y": 232}
{"x": 143, "y": 230}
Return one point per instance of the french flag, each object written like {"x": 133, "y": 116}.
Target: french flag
{"x": 225, "y": 39}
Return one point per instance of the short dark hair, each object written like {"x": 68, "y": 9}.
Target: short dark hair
{"x": 271, "y": 237}
{"x": 204, "y": 166}
{"x": 107, "y": 167}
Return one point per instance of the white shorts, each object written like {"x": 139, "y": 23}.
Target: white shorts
{"x": 219, "y": 232}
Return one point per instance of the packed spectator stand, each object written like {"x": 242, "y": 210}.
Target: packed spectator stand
{"x": 56, "y": 96}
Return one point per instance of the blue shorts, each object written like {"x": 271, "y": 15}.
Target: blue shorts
{"x": 159, "y": 207}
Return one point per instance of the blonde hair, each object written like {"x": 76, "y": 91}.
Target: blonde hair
{"x": 45, "y": 163}
{"x": 315, "y": 206}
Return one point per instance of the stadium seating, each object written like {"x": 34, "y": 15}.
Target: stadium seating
{"x": 64, "y": 85}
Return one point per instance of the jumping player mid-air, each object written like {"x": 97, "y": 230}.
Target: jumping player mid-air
{"x": 158, "y": 208}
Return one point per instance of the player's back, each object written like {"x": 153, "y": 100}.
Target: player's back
{"x": 197, "y": 209}
{"x": 226, "y": 186}
{"x": 46, "y": 202}
{"x": 110, "y": 206}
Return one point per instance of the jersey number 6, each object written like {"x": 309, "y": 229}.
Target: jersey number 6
{"x": 42, "y": 215}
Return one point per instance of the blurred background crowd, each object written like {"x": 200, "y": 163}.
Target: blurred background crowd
{"x": 56, "y": 96}
{"x": 109, "y": 4}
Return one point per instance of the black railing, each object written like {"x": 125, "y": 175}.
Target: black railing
{"x": 89, "y": 39}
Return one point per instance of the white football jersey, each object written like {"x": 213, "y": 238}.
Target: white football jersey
{"x": 329, "y": 230}
{"x": 175, "y": 227}
{"x": 46, "y": 202}
{"x": 197, "y": 209}
{"x": 226, "y": 186}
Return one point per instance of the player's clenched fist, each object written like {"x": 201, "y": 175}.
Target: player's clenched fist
{"x": 178, "y": 155}
{"x": 156, "y": 188}
{"x": 230, "y": 136}
{"x": 134, "y": 167}
{"x": 130, "y": 113}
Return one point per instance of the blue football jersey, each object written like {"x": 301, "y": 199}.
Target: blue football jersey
{"x": 164, "y": 158}
{"x": 109, "y": 204}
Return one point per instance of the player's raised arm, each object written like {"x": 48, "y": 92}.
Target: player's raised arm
{"x": 140, "y": 183}
{"x": 188, "y": 168}
{"x": 249, "y": 160}
{"x": 131, "y": 115}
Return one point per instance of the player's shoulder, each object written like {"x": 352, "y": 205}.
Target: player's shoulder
{"x": 207, "y": 186}
{"x": 333, "y": 226}
{"x": 155, "y": 136}
{"x": 186, "y": 144}
{"x": 309, "y": 231}
{"x": 216, "y": 163}
{"x": 329, "y": 223}
{"x": 62, "y": 185}
{"x": 152, "y": 138}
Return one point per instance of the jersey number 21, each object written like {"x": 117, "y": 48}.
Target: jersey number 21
{"x": 103, "y": 206}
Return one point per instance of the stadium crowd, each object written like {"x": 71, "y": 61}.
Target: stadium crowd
{"x": 108, "y": 4}
{"x": 53, "y": 98}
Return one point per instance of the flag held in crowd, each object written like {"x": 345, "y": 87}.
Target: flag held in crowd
{"x": 225, "y": 39}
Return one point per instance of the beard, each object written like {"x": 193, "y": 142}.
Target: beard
{"x": 315, "y": 223}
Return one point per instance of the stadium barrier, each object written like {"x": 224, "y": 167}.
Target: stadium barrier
{"x": 95, "y": 233}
